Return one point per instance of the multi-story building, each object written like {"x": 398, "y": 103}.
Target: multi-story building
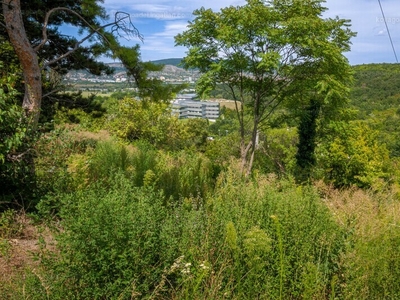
{"x": 185, "y": 107}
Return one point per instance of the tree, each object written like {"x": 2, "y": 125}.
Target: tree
{"x": 268, "y": 52}
{"x": 32, "y": 28}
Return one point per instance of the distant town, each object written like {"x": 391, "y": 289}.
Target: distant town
{"x": 171, "y": 73}
{"x": 185, "y": 105}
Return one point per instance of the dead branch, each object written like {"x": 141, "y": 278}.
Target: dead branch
{"x": 122, "y": 22}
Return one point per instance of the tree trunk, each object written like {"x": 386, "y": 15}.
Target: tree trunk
{"x": 27, "y": 57}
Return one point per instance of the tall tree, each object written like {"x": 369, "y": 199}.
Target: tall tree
{"x": 268, "y": 52}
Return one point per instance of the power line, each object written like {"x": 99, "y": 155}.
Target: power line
{"x": 387, "y": 29}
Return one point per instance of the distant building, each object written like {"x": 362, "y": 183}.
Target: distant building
{"x": 186, "y": 107}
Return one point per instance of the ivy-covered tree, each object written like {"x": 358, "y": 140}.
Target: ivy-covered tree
{"x": 267, "y": 52}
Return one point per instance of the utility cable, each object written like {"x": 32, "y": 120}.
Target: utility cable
{"x": 387, "y": 29}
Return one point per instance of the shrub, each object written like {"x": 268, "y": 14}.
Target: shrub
{"x": 350, "y": 155}
{"x": 110, "y": 243}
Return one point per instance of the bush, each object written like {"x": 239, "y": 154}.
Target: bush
{"x": 350, "y": 155}
{"x": 110, "y": 243}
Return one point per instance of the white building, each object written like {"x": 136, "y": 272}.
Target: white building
{"x": 185, "y": 107}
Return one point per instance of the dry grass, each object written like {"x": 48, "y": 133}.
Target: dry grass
{"x": 226, "y": 103}
{"x": 101, "y": 135}
{"x": 367, "y": 212}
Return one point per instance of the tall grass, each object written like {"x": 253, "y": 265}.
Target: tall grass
{"x": 179, "y": 175}
{"x": 252, "y": 239}
{"x": 372, "y": 259}
{"x": 147, "y": 224}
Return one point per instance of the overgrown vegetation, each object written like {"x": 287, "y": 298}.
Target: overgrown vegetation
{"x": 115, "y": 198}
{"x": 136, "y": 222}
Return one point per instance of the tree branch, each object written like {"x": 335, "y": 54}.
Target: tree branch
{"x": 120, "y": 23}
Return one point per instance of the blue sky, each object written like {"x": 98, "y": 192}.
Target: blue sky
{"x": 160, "y": 20}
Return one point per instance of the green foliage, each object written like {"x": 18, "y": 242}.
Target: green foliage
{"x": 149, "y": 224}
{"x": 267, "y": 54}
{"x": 73, "y": 108}
{"x": 54, "y": 165}
{"x": 375, "y": 271}
{"x": 351, "y": 155}
{"x": 17, "y": 178}
{"x": 376, "y": 88}
{"x": 280, "y": 220}
{"x": 178, "y": 175}
{"x": 277, "y": 150}
{"x": 132, "y": 120}
{"x": 110, "y": 246}
{"x": 371, "y": 220}
{"x": 226, "y": 123}
{"x": 12, "y": 128}
{"x": 264, "y": 238}
{"x": 195, "y": 134}
{"x": 376, "y": 95}
{"x": 222, "y": 149}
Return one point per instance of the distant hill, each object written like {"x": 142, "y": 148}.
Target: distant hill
{"x": 168, "y": 61}
{"x": 376, "y": 87}
{"x": 376, "y": 95}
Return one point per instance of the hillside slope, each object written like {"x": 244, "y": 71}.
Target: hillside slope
{"x": 376, "y": 88}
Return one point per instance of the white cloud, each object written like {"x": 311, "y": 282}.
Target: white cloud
{"x": 162, "y": 43}
{"x": 382, "y": 32}
{"x": 172, "y": 29}
{"x": 161, "y": 20}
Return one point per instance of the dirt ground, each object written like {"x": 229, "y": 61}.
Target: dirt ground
{"x": 18, "y": 248}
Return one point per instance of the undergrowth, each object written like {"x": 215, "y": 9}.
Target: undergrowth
{"x": 134, "y": 222}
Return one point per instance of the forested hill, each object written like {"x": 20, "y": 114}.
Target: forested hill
{"x": 169, "y": 61}
{"x": 376, "y": 88}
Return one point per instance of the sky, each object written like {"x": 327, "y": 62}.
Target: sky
{"x": 160, "y": 20}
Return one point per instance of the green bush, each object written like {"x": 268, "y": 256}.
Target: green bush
{"x": 351, "y": 155}
{"x": 110, "y": 244}
{"x": 277, "y": 153}
{"x": 54, "y": 162}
